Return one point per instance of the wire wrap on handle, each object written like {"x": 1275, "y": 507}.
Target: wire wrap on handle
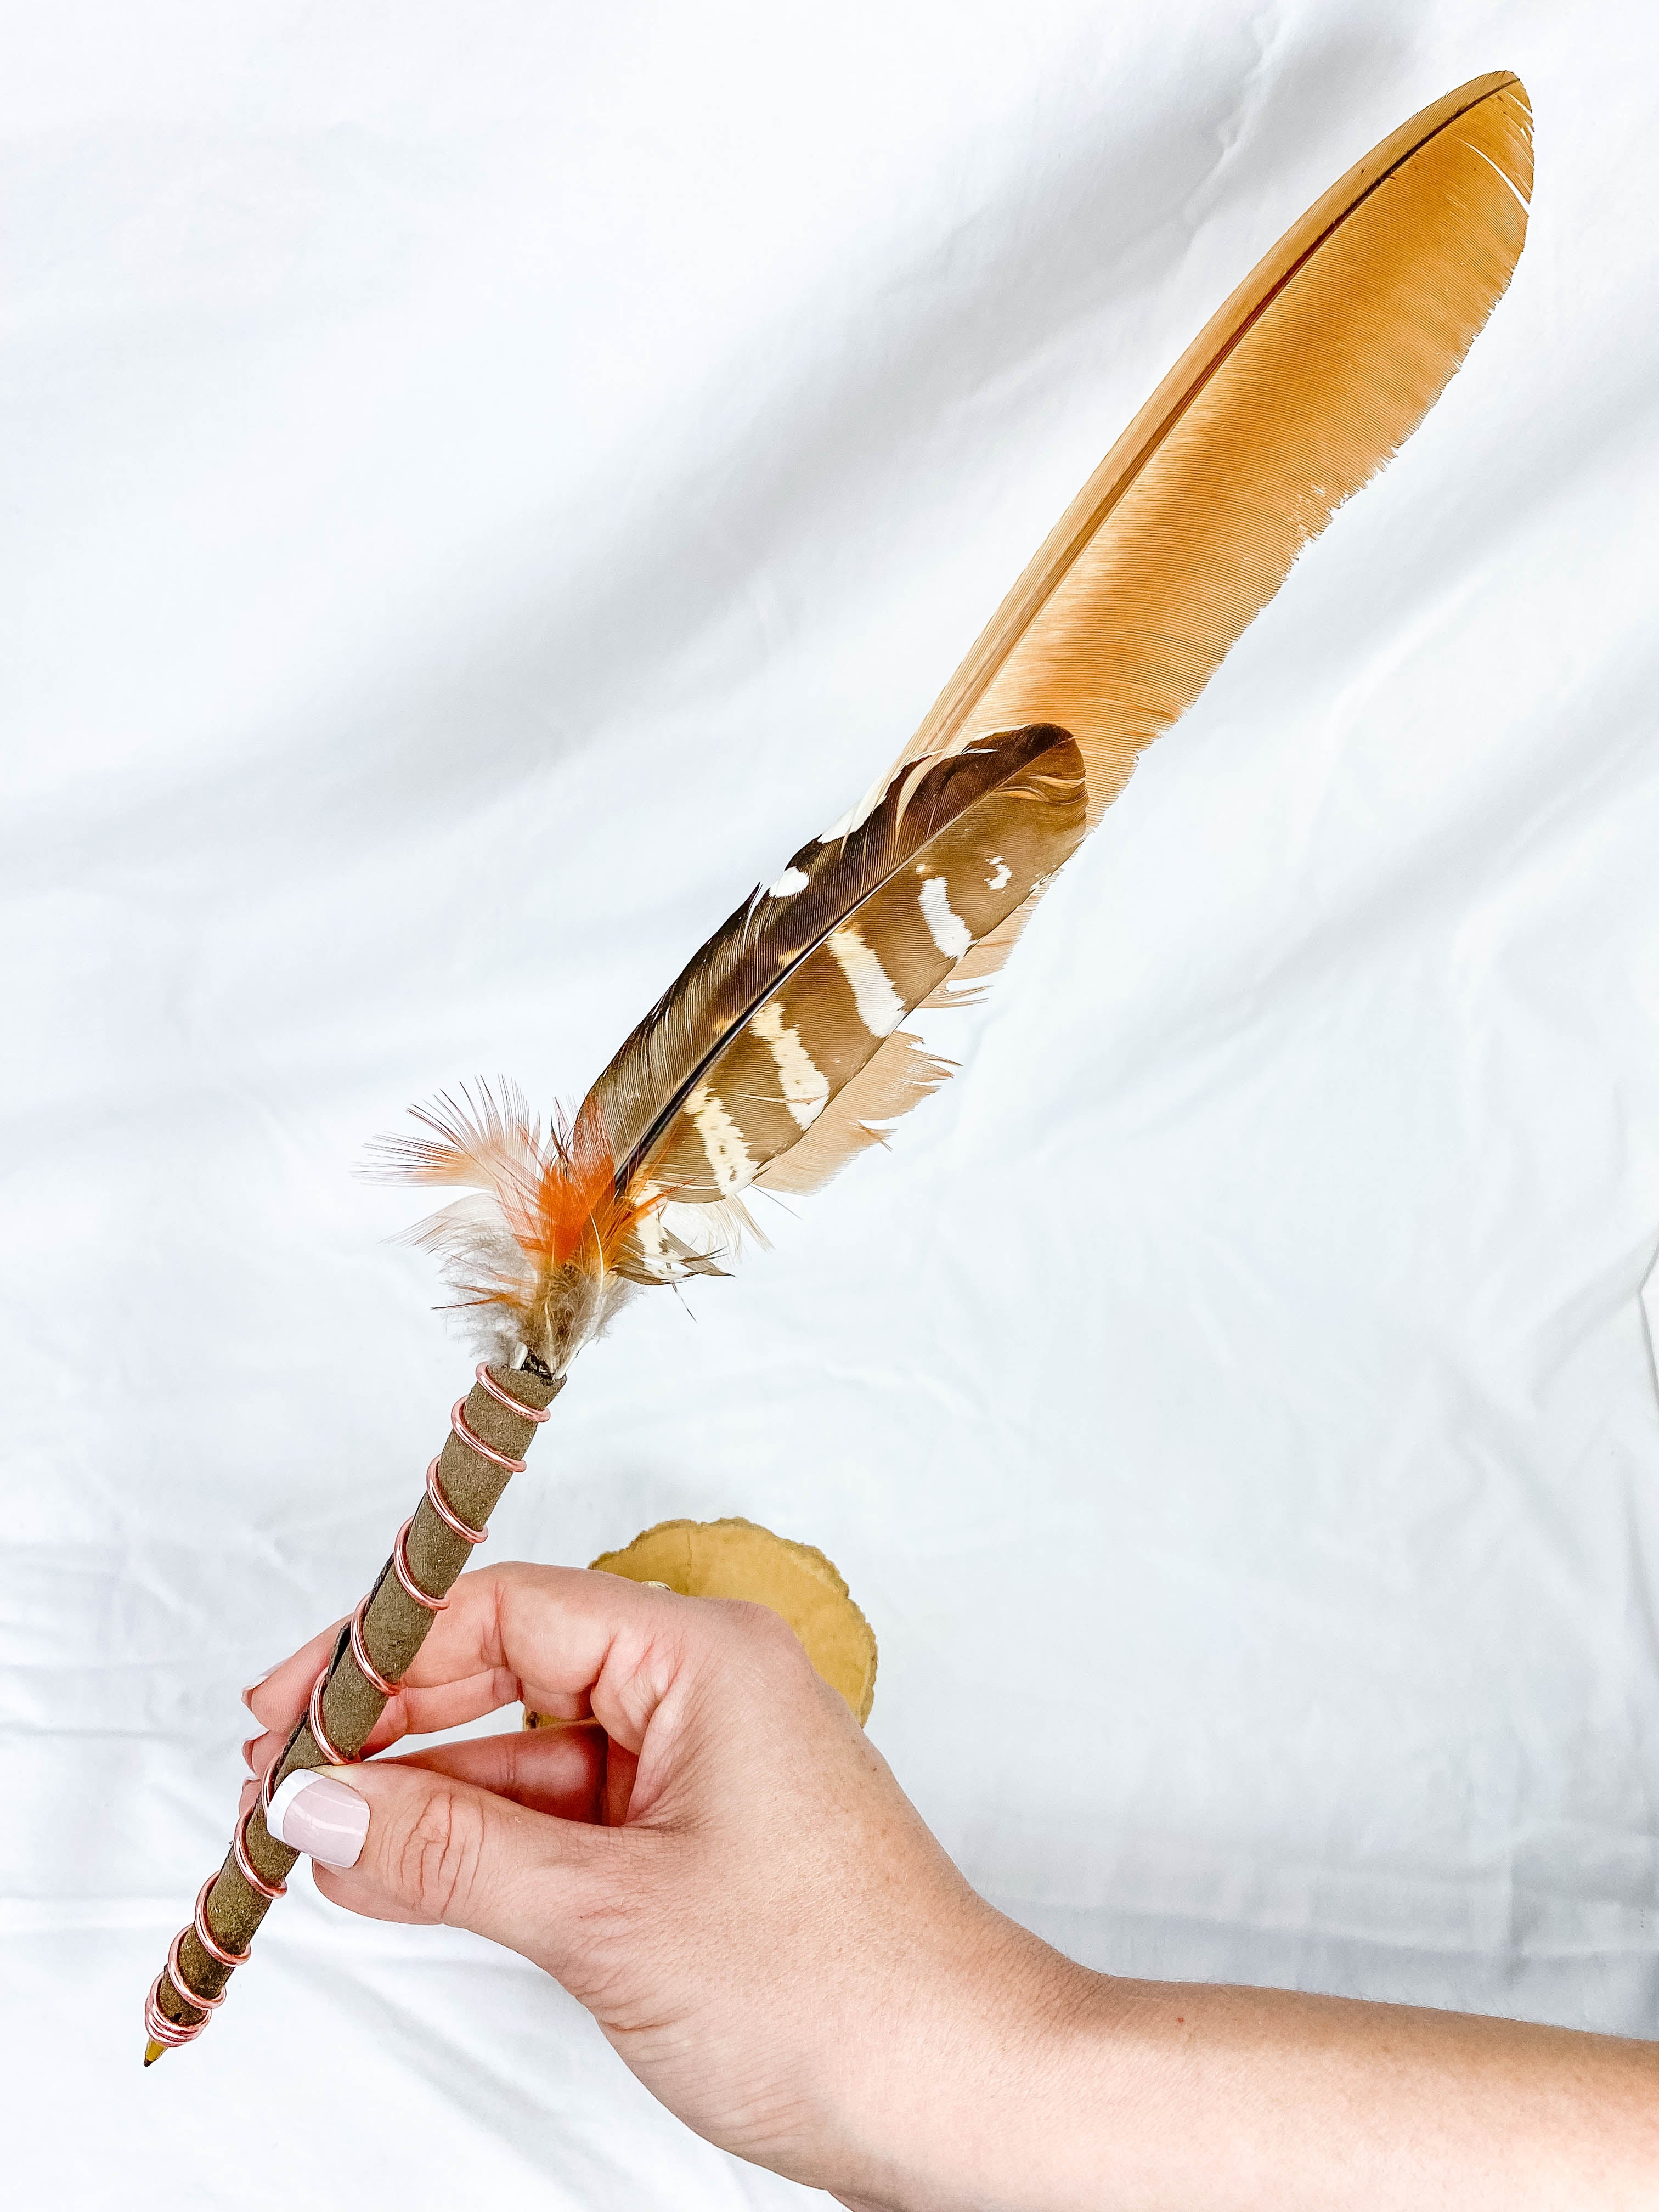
{"x": 270, "y": 1891}
{"x": 205, "y": 1937}
{"x": 446, "y": 1513}
{"x": 319, "y": 1735}
{"x": 486, "y": 1381}
{"x": 469, "y": 1437}
{"x": 161, "y": 2028}
{"x": 173, "y": 2034}
{"x": 366, "y": 1666}
{"x": 405, "y": 1573}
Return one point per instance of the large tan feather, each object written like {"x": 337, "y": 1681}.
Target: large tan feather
{"x": 1294, "y": 394}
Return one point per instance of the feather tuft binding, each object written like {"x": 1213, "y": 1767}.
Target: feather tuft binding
{"x": 533, "y": 1257}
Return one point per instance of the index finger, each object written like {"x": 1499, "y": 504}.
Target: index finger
{"x": 547, "y": 1636}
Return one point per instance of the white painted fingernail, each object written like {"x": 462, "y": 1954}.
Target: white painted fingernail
{"x": 315, "y": 1814}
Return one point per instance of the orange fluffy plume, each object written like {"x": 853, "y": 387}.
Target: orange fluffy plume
{"x": 540, "y": 1247}
{"x": 556, "y": 1191}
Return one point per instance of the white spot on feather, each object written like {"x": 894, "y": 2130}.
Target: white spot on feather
{"x": 805, "y": 1088}
{"x": 791, "y": 881}
{"x": 880, "y": 1005}
{"x": 722, "y": 1140}
{"x": 948, "y": 931}
{"x": 1003, "y": 872}
{"x": 653, "y": 1246}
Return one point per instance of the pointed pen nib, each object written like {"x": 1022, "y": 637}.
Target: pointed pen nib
{"x": 153, "y": 2052}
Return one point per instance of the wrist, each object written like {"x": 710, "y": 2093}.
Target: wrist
{"x": 984, "y": 2083}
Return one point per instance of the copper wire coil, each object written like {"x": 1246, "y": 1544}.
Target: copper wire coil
{"x": 319, "y": 1735}
{"x": 205, "y": 1937}
{"x": 176, "y": 1976}
{"x": 446, "y": 1513}
{"x": 474, "y": 1442}
{"x": 245, "y": 1866}
{"x": 172, "y": 2034}
{"x": 366, "y": 1666}
{"x": 405, "y": 1573}
{"x": 486, "y": 1381}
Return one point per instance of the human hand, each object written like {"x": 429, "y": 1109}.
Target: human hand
{"x": 721, "y": 1867}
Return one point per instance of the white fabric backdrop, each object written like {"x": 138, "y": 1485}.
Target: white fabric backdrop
{"x": 485, "y": 482}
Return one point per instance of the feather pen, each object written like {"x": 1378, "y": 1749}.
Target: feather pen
{"x": 778, "y": 1053}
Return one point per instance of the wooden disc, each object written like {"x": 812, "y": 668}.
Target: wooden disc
{"x": 737, "y": 1558}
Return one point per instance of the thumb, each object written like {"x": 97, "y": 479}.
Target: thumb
{"x": 401, "y": 1843}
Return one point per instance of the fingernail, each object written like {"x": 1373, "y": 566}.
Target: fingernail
{"x": 313, "y": 1812}
{"x": 247, "y": 1694}
{"x": 248, "y": 1752}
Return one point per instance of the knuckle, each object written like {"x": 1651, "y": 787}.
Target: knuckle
{"x": 764, "y": 1645}
{"x": 773, "y": 1639}
{"x": 437, "y": 1854}
{"x": 759, "y": 1622}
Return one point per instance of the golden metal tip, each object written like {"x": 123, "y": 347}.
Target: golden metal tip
{"x": 153, "y": 2052}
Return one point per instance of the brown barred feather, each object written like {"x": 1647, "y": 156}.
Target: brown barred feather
{"x": 806, "y": 983}
{"x": 891, "y": 1082}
